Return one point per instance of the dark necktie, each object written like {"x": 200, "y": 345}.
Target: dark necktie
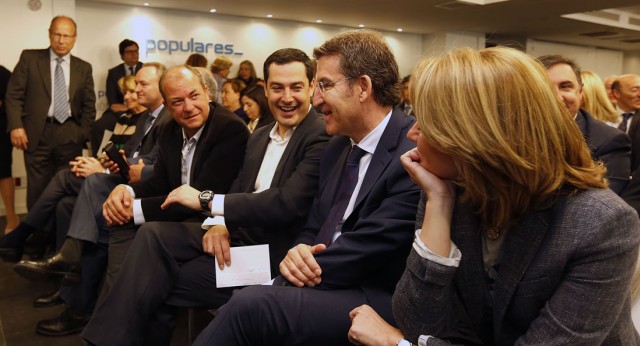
{"x": 60, "y": 98}
{"x": 132, "y": 71}
{"x": 348, "y": 182}
{"x": 625, "y": 120}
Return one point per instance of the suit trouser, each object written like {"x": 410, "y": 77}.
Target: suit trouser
{"x": 87, "y": 223}
{"x": 164, "y": 267}
{"x": 59, "y": 144}
{"x": 284, "y": 315}
{"x": 43, "y": 212}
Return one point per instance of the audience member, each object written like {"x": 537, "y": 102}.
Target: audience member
{"x": 519, "y": 241}
{"x": 256, "y": 106}
{"x": 267, "y": 203}
{"x": 50, "y": 125}
{"x": 605, "y": 143}
{"x": 608, "y": 83}
{"x": 6, "y": 157}
{"x": 354, "y": 245}
{"x": 626, "y": 91}
{"x": 247, "y": 73}
{"x": 130, "y": 55}
{"x": 405, "y": 104}
{"x": 127, "y": 123}
{"x": 595, "y": 99}
{"x": 197, "y": 60}
{"x": 230, "y": 95}
{"x": 220, "y": 69}
{"x": 83, "y": 241}
{"x": 209, "y": 81}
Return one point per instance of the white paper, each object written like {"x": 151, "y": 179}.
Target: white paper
{"x": 249, "y": 266}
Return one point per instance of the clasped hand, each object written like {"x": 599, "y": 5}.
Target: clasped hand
{"x": 300, "y": 267}
{"x": 185, "y": 195}
{"x": 118, "y": 208}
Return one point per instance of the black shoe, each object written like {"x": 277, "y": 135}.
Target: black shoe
{"x": 50, "y": 299}
{"x": 10, "y": 254}
{"x": 54, "y": 269}
{"x": 64, "y": 324}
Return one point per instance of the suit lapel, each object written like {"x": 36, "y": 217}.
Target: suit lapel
{"x": 382, "y": 156}
{"x": 74, "y": 77}
{"x": 472, "y": 290}
{"x": 294, "y": 141}
{"x": 522, "y": 245}
{"x": 44, "y": 65}
{"x": 203, "y": 144}
{"x": 253, "y": 160}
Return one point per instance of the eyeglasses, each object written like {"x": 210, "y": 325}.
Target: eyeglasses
{"x": 131, "y": 51}
{"x": 62, "y": 36}
{"x": 326, "y": 86}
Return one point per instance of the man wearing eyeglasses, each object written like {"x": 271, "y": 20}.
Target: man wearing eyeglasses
{"x": 130, "y": 54}
{"x": 353, "y": 248}
{"x": 50, "y": 106}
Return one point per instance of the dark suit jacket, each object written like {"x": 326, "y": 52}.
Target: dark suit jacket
{"x": 148, "y": 142}
{"x": 634, "y": 134}
{"x": 29, "y": 96}
{"x": 276, "y": 215}
{"x": 114, "y": 94}
{"x": 216, "y": 162}
{"x": 609, "y": 145}
{"x": 376, "y": 237}
{"x": 564, "y": 279}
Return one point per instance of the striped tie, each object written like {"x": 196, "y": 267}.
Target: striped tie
{"x": 60, "y": 98}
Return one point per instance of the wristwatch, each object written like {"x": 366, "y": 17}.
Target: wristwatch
{"x": 205, "y": 197}
{"x": 404, "y": 342}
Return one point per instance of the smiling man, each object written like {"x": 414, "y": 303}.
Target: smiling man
{"x": 606, "y": 144}
{"x": 172, "y": 264}
{"x": 353, "y": 248}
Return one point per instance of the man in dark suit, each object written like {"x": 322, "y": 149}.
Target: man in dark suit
{"x": 50, "y": 106}
{"x": 267, "y": 203}
{"x": 354, "y": 245}
{"x": 607, "y": 144}
{"x": 626, "y": 91}
{"x": 130, "y": 55}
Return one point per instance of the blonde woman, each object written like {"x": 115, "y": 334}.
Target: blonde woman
{"x": 595, "y": 99}
{"x": 520, "y": 241}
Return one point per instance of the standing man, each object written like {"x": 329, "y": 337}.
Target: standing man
{"x": 50, "y": 106}
{"x": 626, "y": 91}
{"x": 606, "y": 144}
{"x": 354, "y": 245}
{"x": 130, "y": 55}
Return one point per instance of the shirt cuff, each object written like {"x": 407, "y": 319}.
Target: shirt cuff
{"x": 217, "y": 205}
{"x": 130, "y": 189}
{"x": 138, "y": 216}
{"x": 212, "y": 221}
{"x": 454, "y": 254}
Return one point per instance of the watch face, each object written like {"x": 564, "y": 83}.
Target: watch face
{"x": 206, "y": 194}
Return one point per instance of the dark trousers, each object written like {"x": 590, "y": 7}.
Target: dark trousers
{"x": 164, "y": 267}
{"x": 82, "y": 297}
{"x": 284, "y": 315}
{"x": 59, "y": 144}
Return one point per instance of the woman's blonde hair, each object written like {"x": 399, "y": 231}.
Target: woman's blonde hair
{"x": 514, "y": 144}
{"x": 127, "y": 83}
{"x": 595, "y": 99}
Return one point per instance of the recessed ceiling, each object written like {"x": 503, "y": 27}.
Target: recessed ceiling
{"x": 536, "y": 19}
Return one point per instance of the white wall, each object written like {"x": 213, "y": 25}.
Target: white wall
{"x": 254, "y": 38}
{"x": 604, "y": 62}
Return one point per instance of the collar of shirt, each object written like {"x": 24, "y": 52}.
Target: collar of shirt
{"x": 155, "y": 112}
{"x": 275, "y": 136}
{"x": 195, "y": 137}
{"x": 370, "y": 141}
{"x": 53, "y": 57}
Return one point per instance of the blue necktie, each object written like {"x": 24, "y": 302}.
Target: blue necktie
{"x": 60, "y": 97}
{"x": 348, "y": 182}
{"x": 625, "y": 120}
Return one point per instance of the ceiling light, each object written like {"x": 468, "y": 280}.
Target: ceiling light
{"x": 213, "y": 10}
{"x": 146, "y": 4}
{"x": 399, "y": 29}
{"x": 318, "y": 20}
{"x": 361, "y": 25}
{"x": 269, "y": 15}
